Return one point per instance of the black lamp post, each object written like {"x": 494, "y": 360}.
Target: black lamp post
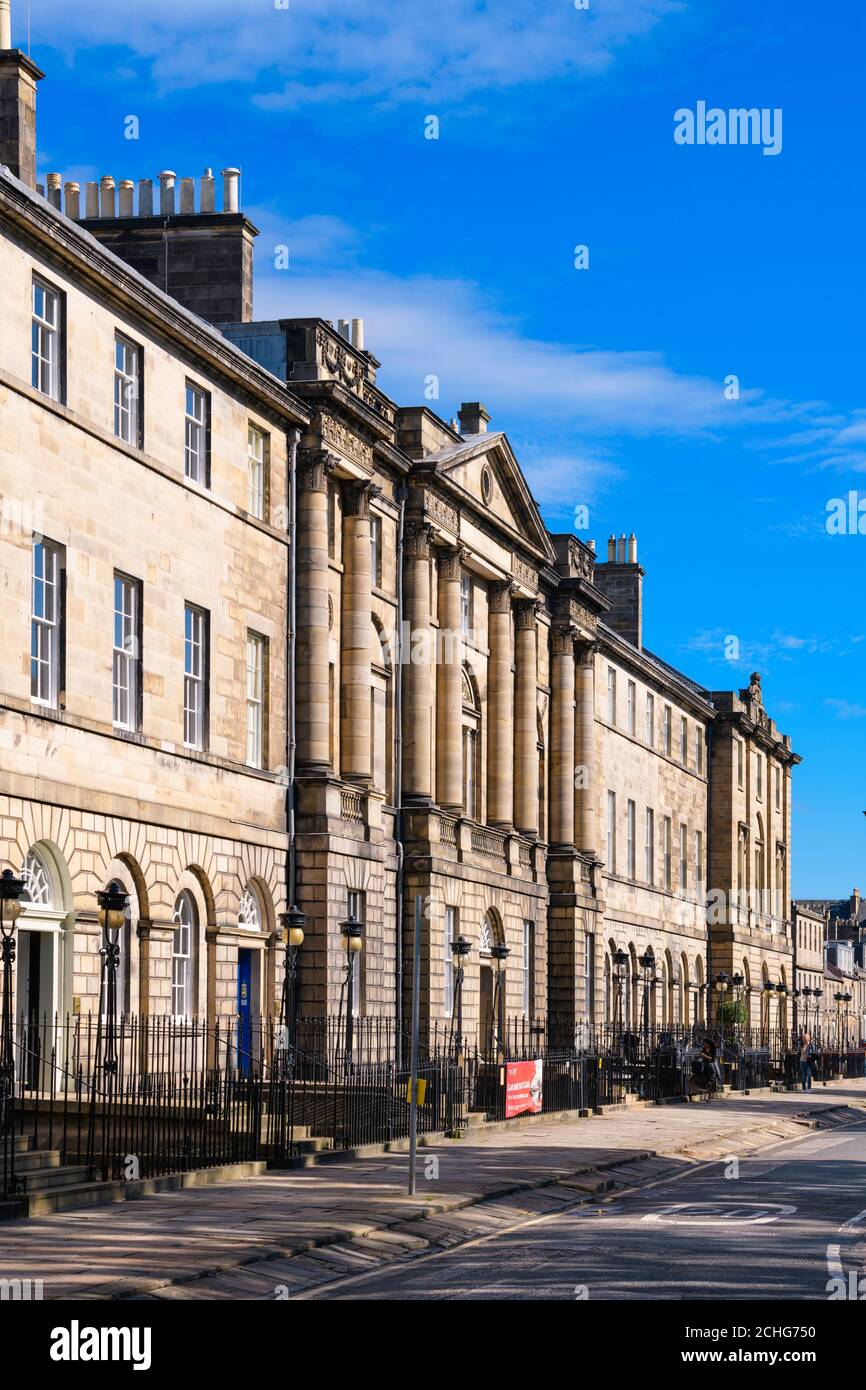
{"x": 838, "y": 996}
{"x": 782, "y": 992}
{"x": 737, "y": 982}
{"x": 723, "y": 984}
{"x": 112, "y": 915}
{"x": 647, "y": 962}
{"x": 500, "y": 954}
{"x": 353, "y": 941}
{"x": 846, "y": 998}
{"x": 460, "y": 948}
{"x": 817, "y": 995}
{"x": 11, "y": 889}
{"x": 292, "y": 923}
{"x": 620, "y": 961}
{"x": 769, "y": 991}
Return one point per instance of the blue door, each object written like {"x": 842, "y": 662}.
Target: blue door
{"x": 245, "y": 1031}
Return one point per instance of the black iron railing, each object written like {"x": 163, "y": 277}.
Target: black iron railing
{"x": 172, "y": 1095}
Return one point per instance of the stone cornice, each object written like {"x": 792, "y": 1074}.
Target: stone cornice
{"x": 654, "y": 675}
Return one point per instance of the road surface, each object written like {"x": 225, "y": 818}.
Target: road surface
{"x": 778, "y": 1226}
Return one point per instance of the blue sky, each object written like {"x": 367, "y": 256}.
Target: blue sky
{"x": 556, "y": 130}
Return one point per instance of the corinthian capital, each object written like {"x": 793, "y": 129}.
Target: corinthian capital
{"x": 315, "y": 466}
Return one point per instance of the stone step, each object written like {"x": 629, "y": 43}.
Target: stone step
{"x": 32, "y": 1159}
{"x": 475, "y": 1118}
{"x": 313, "y": 1144}
{"x": 42, "y": 1179}
{"x": 82, "y": 1194}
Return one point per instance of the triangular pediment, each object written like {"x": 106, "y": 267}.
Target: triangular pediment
{"x": 487, "y": 473}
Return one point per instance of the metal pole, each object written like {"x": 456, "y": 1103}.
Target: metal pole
{"x": 416, "y": 1012}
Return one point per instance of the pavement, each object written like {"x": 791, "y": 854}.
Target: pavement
{"x": 305, "y": 1232}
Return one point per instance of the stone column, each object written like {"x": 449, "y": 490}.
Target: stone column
{"x": 500, "y": 708}
{"x": 585, "y": 790}
{"x": 562, "y": 739}
{"x": 526, "y": 719}
{"x": 313, "y": 713}
{"x": 417, "y": 672}
{"x": 449, "y": 684}
{"x": 355, "y": 631}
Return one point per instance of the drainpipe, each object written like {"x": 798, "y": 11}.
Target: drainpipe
{"x": 291, "y": 655}
{"x": 398, "y": 785}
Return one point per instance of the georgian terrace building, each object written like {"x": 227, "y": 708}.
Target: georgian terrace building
{"x": 143, "y": 550}
{"x": 272, "y": 638}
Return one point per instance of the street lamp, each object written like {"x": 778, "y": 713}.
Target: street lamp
{"x": 723, "y": 984}
{"x": 782, "y": 991}
{"x": 500, "y": 954}
{"x": 620, "y": 962}
{"x": 112, "y": 915}
{"x": 460, "y": 948}
{"x": 769, "y": 989}
{"x": 11, "y": 889}
{"x": 647, "y": 963}
{"x": 292, "y": 923}
{"x": 838, "y": 996}
{"x": 352, "y": 933}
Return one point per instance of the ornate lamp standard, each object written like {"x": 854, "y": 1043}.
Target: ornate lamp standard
{"x": 500, "y": 954}
{"x": 647, "y": 962}
{"x": 460, "y": 949}
{"x": 782, "y": 992}
{"x": 292, "y": 923}
{"x": 11, "y": 889}
{"x": 769, "y": 990}
{"x": 839, "y": 997}
{"x": 112, "y": 915}
{"x": 737, "y": 982}
{"x": 352, "y": 933}
{"x": 846, "y": 998}
{"x": 620, "y": 962}
{"x": 723, "y": 984}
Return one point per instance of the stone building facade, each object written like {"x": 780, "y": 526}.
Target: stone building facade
{"x": 141, "y": 595}
{"x": 319, "y": 648}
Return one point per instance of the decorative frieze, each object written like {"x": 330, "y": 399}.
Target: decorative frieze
{"x": 347, "y": 441}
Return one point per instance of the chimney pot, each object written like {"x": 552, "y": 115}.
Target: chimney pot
{"x": 620, "y": 549}
{"x": 91, "y": 194}
{"x": 358, "y": 334}
{"x": 5, "y": 25}
{"x": 611, "y": 548}
{"x": 231, "y": 178}
{"x": 632, "y": 549}
{"x": 208, "y": 200}
{"x": 187, "y": 195}
{"x": 473, "y": 418}
{"x": 72, "y": 200}
{"x": 166, "y": 192}
{"x": 53, "y": 190}
{"x": 145, "y": 197}
{"x": 106, "y": 196}
{"x": 343, "y": 328}
{"x": 126, "y": 195}
{"x": 591, "y": 546}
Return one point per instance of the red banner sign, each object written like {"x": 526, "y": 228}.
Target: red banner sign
{"x": 523, "y": 1088}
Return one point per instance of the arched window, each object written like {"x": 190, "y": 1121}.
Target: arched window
{"x": 183, "y": 948}
{"x": 471, "y": 748}
{"x": 39, "y": 889}
{"x": 250, "y": 910}
{"x": 488, "y": 937}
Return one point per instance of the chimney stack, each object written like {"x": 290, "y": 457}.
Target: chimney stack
{"x": 202, "y": 258}
{"x": 18, "y": 79}
{"x": 621, "y": 582}
{"x": 473, "y": 418}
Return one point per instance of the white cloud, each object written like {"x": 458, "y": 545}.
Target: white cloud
{"x": 358, "y": 49}
{"x": 846, "y": 710}
{"x": 421, "y": 327}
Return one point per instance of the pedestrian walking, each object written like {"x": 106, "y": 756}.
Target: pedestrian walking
{"x": 806, "y": 1053}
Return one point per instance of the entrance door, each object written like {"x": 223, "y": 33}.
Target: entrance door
{"x": 245, "y": 1004}
{"x": 485, "y": 1019}
{"x": 37, "y": 983}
